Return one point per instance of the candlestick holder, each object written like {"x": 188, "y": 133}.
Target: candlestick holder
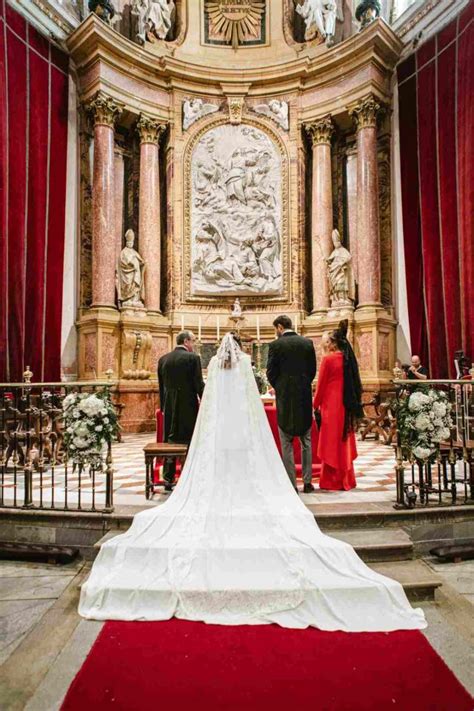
{"x": 258, "y": 359}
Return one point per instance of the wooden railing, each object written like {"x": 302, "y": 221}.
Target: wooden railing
{"x": 36, "y": 470}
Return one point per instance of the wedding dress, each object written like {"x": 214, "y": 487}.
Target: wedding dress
{"x": 234, "y": 544}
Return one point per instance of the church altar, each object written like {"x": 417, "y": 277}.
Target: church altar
{"x": 271, "y": 413}
{"x": 214, "y": 169}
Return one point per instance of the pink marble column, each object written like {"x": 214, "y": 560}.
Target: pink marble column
{"x": 118, "y": 192}
{"x": 149, "y": 233}
{"x": 368, "y": 238}
{"x": 351, "y": 187}
{"x": 320, "y": 133}
{"x": 104, "y": 110}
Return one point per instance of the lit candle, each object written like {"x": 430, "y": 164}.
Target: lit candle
{"x": 218, "y": 326}
{"x": 182, "y": 322}
{"x": 199, "y": 328}
{"x": 296, "y": 323}
{"x": 258, "y": 328}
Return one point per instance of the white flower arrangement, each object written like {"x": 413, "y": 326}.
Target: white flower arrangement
{"x": 90, "y": 423}
{"x": 424, "y": 421}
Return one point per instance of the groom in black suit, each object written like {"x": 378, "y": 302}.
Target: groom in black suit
{"x": 181, "y": 387}
{"x": 291, "y": 369}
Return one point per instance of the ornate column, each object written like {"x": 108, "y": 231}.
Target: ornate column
{"x": 320, "y": 133}
{"x": 105, "y": 110}
{"x": 368, "y": 239}
{"x": 149, "y": 237}
{"x": 118, "y": 192}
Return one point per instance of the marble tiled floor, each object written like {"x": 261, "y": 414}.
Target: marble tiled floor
{"x": 375, "y": 472}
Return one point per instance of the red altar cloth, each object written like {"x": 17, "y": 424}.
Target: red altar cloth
{"x": 271, "y": 413}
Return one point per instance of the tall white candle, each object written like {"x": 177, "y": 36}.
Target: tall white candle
{"x": 182, "y": 322}
{"x": 258, "y": 328}
{"x": 296, "y": 323}
{"x": 218, "y": 326}
{"x": 199, "y": 328}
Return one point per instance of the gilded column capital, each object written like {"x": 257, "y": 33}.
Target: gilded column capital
{"x": 149, "y": 129}
{"x": 104, "y": 109}
{"x": 364, "y": 113}
{"x": 320, "y": 131}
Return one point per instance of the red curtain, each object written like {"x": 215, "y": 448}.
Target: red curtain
{"x": 436, "y": 96}
{"x": 33, "y": 151}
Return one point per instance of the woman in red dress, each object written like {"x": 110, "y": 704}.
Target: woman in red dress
{"x": 338, "y": 402}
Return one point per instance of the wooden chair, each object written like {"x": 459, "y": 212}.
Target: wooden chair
{"x": 160, "y": 450}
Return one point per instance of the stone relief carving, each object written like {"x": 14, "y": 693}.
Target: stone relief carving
{"x": 130, "y": 268}
{"x": 154, "y": 19}
{"x": 136, "y": 347}
{"x": 237, "y": 23}
{"x": 340, "y": 276}
{"x": 236, "y": 212}
{"x": 236, "y": 309}
{"x": 276, "y": 110}
{"x": 320, "y": 18}
{"x": 194, "y": 109}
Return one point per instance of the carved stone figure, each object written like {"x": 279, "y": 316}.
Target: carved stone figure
{"x": 236, "y": 212}
{"x": 340, "y": 276}
{"x": 236, "y": 309}
{"x": 320, "y": 16}
{"x": 103, "y": 9}
{"x": 130, "y": 268}
{"x": 155, "y": 19}
{"x": 276, "y": 110}
{"x": 194, "y": 109}
{"x": 366, "y": 12}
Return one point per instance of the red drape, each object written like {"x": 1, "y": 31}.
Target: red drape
{"x": 436, "y": 128}
{"x": 33, "y": 151}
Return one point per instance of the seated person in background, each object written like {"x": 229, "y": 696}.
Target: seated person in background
{"x": 416, "y": 371}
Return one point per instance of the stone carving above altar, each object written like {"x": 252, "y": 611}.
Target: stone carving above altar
{"x": 236, "y": 213}
{"x": 235, "y": 23}
{"x": 319, "y": 18}
{"x": 154, "y": 19}
{"x": 276, "y": 110}
{"x": 194, "y": 109}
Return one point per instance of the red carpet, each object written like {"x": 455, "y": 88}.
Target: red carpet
{"x": 179, "y": 665}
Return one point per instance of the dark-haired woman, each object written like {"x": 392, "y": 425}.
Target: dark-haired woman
{"x": 338, "y": 400}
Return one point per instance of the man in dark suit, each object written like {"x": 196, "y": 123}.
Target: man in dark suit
{"x": 291, "y": 369}
{"x": 181, "y": 387}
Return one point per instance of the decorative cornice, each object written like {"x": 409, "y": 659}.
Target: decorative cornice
{"x": 365, "y": 112}
{"x": 104, "y": 109}
{"x": 320, "y": 131}
{"x": 149, "y": 129}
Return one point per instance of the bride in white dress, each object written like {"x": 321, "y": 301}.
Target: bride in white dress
{"x": 234, "y": 544}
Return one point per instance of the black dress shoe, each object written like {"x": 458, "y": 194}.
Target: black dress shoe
{"x": 308, "y": 488}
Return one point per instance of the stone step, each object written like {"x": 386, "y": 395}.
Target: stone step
{"x": 416, "y": 577}
{"x": 377, "y": 544}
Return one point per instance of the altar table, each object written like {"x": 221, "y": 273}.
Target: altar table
{"x": 271, "y": 413}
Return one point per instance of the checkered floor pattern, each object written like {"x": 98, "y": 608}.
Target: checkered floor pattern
{"x": 375, "y": 472}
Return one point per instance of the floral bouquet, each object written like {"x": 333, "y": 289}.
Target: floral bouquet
{"x": 424, "y": 420}
{"x": 90, "y": 423}
{"x": 261, "y": 380}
